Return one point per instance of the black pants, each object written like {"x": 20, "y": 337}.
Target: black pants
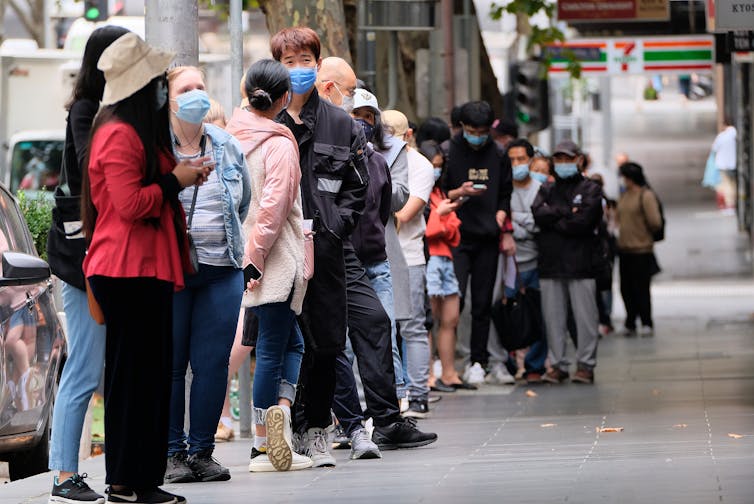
{"x": 139, "y": 317}
{"x": 636, "y": 272}
{"x": 369, "y": 333}
{"x": 478, "y": 258}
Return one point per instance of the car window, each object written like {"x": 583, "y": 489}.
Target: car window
{"x": 13, "y": 233}
{"x": 35, "y": 165}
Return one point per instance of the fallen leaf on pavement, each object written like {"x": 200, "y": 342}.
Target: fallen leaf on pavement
{"x": 680, "y": 426}
{"x": 531, "y": 393}
{"x": 610, "y": 429}
{"x": 734, "y": 436}
{"x": 548, "y": 425}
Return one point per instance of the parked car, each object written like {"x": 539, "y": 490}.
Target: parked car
{"x": 32, "y": 346}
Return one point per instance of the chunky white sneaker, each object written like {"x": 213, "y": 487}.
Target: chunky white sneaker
{"x": 474, "y": 374}
{"x": 499, "y": 375}
{"x": 362, "y": 446}
{"x": 260, "y": 462}
{"x": 279, "y": 450}
{"x": 315, "y": 448}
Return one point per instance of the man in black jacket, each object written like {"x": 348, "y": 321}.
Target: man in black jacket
{"x": 479, "y": 173}
{"x": 568, "y": 212}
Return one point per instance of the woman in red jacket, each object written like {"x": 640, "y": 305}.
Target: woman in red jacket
{"x": 135, "y": 228}
{"x": 442, "y": 236}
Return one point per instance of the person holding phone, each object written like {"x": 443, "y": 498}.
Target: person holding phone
{"x": 274, "y": 258}
{"x": 478, "y": 169}
{"x": 205, "y": 313}
{"x": 137, "y": 254}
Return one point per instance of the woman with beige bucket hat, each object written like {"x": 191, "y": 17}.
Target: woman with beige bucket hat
{"x": 137, "y": 255}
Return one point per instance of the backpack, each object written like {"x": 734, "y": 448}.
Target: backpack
{"x": 659, "y": 234}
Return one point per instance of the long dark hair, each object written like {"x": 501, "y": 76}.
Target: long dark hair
{"x": 633, "y": 172}
{"x": 153, "y": 128}
{"x": 433, "y": 128}
{"x": 266, "y": 81}
{"x": 90, "y": 82}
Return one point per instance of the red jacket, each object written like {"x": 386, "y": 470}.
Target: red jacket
{"x": 443, "y": 232}
{"x": 124, "y": 244}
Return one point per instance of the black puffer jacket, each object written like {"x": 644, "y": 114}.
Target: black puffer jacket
{"x": 567, "y": 212}
{"x": 333, "y": 192}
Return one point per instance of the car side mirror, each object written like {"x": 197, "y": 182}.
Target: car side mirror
{"x": 23, "y": 269}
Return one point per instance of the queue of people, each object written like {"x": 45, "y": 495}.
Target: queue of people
{"x": 320, "y": 230}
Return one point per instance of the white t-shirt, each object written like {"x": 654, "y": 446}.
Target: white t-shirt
{"x": 421, "y": 180}
{"x": 725, "y": 149}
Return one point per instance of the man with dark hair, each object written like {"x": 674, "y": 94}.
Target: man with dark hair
{"x": 455, "y": 120}
{"x": 568, "y": 212}
{"x": 479, "y": 174}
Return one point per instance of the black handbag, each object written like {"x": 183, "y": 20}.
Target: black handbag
{"x": 518, "y": 320}
{"x": 66, "y": 246}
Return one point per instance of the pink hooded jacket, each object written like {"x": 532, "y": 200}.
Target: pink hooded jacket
{"x": 275, "y": 239}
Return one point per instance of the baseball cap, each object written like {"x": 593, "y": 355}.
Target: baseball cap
{"x": 363, "y": 98}
{"x": 567, "y": 147}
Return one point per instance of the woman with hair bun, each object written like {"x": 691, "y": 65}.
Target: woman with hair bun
{"x": 274, "y": 258}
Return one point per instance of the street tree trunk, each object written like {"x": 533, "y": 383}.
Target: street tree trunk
{"x": 324, "y": 16}
{"x": 31, "y": 14}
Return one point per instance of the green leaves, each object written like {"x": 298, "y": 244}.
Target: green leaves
{"x": 37, "y": 212}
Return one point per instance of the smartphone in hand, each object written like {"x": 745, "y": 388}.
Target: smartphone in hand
{"x": 479, "y": 187}
{"x": 250, "y": 272}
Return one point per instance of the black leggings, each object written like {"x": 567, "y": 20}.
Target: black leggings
{"x": 636, "y": 272}
{"x": 139, "y": 317}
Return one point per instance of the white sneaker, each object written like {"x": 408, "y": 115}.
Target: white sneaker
{"x": 404, "y": 404}
{"x": 437, "y": 368}
{"x": 260, "y": 462}
{"x": 278, "y": 425}
{"x": 474, "y": 374}
{"x": 315, "y": 447}
{"x": 362, "y": 446}
{"x": 499, "y": 375}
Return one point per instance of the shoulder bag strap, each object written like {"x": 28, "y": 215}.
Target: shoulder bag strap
{"x": 202, "y": 146}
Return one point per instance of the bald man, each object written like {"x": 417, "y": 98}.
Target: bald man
{"x": 369, "y": 329}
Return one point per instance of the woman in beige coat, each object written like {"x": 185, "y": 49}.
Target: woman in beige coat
{"x": 274, "y": 262}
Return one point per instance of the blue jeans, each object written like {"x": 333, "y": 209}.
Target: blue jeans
{"x": 205, "y": 315}
{"x": 382, "y": 282}
{"x": 534, "y": 362}
{"x": 81, "y": 376}
{"x": 279, "y": 350}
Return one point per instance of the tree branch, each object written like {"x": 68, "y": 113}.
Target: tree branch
{"x": 26, "y": 19}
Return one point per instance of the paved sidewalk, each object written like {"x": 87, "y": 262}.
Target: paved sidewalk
{"x": 678, "y": 397}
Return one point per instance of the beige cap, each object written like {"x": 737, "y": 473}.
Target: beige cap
{"x": 395, "y": 121}
{"x": 129, "y": 64}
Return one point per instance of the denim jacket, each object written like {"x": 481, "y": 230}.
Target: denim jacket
{"x": 236, "y": 186}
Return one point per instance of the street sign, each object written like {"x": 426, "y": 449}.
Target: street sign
{"x": 632, "y": 56}
{"x": 734, "y": 15}
{"x": 613, "y": 10}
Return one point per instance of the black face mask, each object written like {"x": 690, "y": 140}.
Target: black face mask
{"x": 368, "y": 129}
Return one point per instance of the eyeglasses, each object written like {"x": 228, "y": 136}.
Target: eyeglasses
{"x": 349, "y": 90}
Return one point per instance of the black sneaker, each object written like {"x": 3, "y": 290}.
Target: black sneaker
{"x": 179, "y": 499}
{"x": 401, "y": 434}
{"x": 417, "y": 408}
{"x": 74, "y": 490}
{"x": 130, "y": 496}
{"x": 178, "y": 470}
{"x": 206, "y": 468}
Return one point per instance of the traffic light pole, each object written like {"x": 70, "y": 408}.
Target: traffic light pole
{"x": 173, "y": 26}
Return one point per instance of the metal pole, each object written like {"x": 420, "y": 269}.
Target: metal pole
{"x": 174, "y": 26}
{"x": 448, "y": 56}
{"x": 236, "y": 50}
{"x": 392, "y": 63}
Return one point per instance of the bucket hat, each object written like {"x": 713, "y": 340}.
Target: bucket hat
{"x": 129, "y": 64}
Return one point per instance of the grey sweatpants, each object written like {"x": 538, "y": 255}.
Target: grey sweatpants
{"x": 556, "y": 294}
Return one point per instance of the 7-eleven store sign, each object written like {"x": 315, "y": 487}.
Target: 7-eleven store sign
{"x": 630, "y": 56}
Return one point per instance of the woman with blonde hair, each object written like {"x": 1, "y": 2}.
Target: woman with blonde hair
{"x": 205, "y": 313}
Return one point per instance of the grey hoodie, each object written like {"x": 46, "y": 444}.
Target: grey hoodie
{"x": 524, "y": 227}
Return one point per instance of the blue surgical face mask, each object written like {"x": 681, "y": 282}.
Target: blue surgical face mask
{"x": 520, "y": 172}
{"x": 192, "y": 106}
{"x": 539, "y": 177}
{"x": 368, "y": 129}
{"x": 475, "y": 140}
{"x": 438, "y": 173}
{"x": 302, "y": 79}
{"x": 566, "y": 170}
{"x": 161, "y": 95}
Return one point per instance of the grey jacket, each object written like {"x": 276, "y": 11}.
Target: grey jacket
{"x": 524, "y": 227}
